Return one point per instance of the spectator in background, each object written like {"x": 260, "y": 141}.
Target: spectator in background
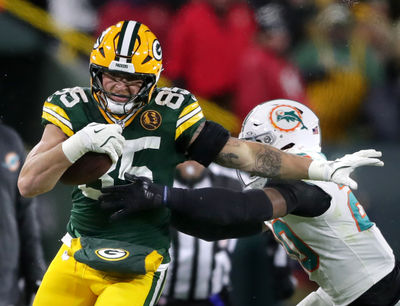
{"x": 264, "y": 72}
{"x": 375, "y": 26}
{"x": 205, "y": 41}
{"x": 77, "y": 15}
{"x": 156, "y": 13}
{"x": 21, "y": 254}
{"x": 340, "y": 70}
{"x": 297, "y": 13}
{"x": 199, "y": 272}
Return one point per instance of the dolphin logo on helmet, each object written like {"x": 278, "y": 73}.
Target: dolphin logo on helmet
{"x": 290, "y": 116}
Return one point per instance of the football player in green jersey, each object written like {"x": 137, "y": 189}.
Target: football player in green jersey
{"x": 146, "y": 131}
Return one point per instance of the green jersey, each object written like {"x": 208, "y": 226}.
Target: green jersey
{"x": 156, "y": 138}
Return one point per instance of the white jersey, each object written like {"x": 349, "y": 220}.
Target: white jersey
{"x": 341, "y": 250}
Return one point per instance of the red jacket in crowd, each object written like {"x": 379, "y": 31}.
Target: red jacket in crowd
{"x": 203, "y": 49}
{"x": 262, "y": 76}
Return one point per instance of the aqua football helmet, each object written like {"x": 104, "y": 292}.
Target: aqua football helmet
{"x": 131, "y": 50}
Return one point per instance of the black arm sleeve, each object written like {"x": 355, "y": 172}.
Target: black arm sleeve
{"x": 302, "y": 199}
{"x": 210, "y": 231}
{"x": 208, "y": 143}
{"x": 220, "y": 205}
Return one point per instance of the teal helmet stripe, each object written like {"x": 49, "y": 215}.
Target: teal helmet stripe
{"x": 127, "y": 40}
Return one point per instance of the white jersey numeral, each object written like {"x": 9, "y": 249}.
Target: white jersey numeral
{"x": 131, "y": 147}
{"x": 295, "y": 246}
{"x": 71, "y": 96}
{"x": 171, "y": 97}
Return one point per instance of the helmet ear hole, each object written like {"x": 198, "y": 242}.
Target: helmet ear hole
{"x": 288, "y": 146}
{"x": 101, "y": 50}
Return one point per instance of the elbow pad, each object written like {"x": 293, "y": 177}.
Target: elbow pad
{"x": 258, "y": 206}
{"x": 302, "y": 199}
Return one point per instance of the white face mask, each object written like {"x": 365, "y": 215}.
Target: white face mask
{"x": 251, "y": 182}
{"x": 119, "y": 108}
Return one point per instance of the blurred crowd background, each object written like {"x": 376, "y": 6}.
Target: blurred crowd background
{"x": 341, "y": 58}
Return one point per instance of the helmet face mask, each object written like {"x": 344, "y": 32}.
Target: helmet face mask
{"x": 284, "y": 124}
{"x": 105, "y": 98}
{"x": 129, "y": 50}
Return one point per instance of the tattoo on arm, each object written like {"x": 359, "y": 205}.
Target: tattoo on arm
{"x": 228, "y": 159}
{"x": 256, "y": 158}
{"x": 229, "y": 156}
{"x": 268, "y": 163}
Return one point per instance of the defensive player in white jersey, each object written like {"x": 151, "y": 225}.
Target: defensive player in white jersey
{"x": 335, "y": 242}
{"x": 321, "y": 224}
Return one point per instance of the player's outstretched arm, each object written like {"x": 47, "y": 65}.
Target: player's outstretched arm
{"x": 215, "y": 205}
{"x": 264, "y": 160}
{"x": 222, "y": 213}
{"x": 49, "y": 159}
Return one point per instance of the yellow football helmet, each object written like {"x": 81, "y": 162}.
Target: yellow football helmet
{"x": 127, "y": 48}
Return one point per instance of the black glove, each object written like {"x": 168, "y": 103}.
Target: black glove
{"x": 140, "y": 194}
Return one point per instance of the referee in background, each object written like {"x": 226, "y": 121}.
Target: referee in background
{"x": 199, "y": 273}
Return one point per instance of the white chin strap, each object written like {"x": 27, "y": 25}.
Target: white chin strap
{"x": 119, "y": 108}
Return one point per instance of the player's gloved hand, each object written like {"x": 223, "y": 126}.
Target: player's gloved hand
{"x": 96, "y": 137}
{"x": 339, "y": 170}
{"x": 140, "y": 194}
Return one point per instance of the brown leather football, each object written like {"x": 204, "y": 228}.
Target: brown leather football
{"x": 87, "y": 169}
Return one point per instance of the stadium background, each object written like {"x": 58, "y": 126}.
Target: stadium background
{"x": 37, "y": 57}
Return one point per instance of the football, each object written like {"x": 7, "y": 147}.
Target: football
{"x": 86, "y": 169}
